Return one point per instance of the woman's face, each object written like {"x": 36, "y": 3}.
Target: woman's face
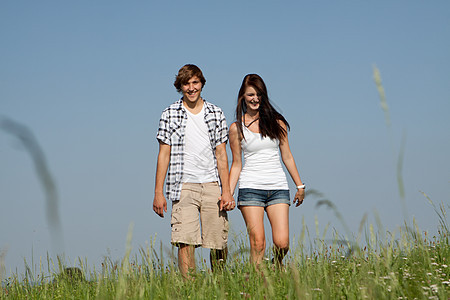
{"x": 252, "y": 99}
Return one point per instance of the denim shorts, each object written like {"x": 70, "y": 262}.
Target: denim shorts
{"x": 263, "y": 198}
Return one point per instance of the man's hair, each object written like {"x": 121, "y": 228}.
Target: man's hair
{"x": 186, "y": 73}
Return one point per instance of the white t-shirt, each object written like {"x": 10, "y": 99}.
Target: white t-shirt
{"x": 199, "y": 164}
{"x": 262, "y": 168}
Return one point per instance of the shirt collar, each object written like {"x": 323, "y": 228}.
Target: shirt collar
{"x": 208, "y": 106}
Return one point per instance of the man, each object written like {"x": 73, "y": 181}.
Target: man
{"x": 192, "y": 138}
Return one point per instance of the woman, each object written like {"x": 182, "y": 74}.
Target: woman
{"x": 261, "y": 133}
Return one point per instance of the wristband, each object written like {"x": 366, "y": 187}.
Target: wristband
{"x": 301, "y": 186}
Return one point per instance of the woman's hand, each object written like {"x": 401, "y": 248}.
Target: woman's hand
{"x": 299, "y": 197}
{"x": 226, "y": 205}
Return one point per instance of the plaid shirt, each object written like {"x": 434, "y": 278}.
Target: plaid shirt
{"x": 171, "y": 131}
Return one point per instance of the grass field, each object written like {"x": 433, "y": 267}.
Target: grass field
{"x": 406, "y": 264}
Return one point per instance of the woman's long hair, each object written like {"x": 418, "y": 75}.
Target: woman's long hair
{"x": 268, "y": 115}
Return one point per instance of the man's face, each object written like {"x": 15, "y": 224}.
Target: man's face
{"x": 192, "y": 89}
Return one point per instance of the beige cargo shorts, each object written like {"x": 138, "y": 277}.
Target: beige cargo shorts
{"x": 208, "y": 231}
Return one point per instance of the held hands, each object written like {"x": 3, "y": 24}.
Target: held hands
{"x": 160, "y": 205}
{"x": 299, "y": 197}
{"x": 226, "y": 202}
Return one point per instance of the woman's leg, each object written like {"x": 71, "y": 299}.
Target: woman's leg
{"x": 278, "y": 215}
{"x": 254, "y": 220}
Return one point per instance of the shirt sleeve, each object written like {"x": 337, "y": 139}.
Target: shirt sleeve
{"x": 163, "y": 134}
{"x": 221, "y": 129}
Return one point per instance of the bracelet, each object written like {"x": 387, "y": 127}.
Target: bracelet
{"x": 301, "y": 186}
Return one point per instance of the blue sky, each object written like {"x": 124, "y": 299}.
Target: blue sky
{"x": 90, "y": 79}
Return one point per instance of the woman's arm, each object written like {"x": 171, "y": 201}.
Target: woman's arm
{"x": 236, "y": 165}
{"x": 289, "y": 162}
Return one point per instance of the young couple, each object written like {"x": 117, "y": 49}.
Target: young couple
{"x": 192, "y": 138}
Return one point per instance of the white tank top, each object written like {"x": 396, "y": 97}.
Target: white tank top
{"x": 262, "y": 168}
{"x": 199, "y": 164}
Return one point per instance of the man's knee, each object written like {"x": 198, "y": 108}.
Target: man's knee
{"x": 258, "y": 243}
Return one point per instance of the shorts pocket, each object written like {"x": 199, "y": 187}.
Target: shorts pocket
{"x": 226, "y": 228}
{"x": 176, "y": 217}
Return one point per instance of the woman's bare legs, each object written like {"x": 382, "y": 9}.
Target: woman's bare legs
{"x": 278, "y": 215}
{"x": 254, "y": 220}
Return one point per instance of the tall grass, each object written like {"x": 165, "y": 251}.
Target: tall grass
{"x": 405, "y": 264}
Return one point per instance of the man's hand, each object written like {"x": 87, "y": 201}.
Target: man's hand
{"x": 227, "y": 202}
{"x": 160, "y": 205}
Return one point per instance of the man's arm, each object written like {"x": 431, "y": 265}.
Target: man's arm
{"x": 227, "y": 201}
{"x": 159, "y": 201}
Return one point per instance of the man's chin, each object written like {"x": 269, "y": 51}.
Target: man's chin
{"x": 192, "y": 99}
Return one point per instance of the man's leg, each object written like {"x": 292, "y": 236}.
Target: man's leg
{"x": 186, "y": 259}
{"x": 214, "y": 226}
{"x": 186, "y": 227}
{"x": 217, "y": 258}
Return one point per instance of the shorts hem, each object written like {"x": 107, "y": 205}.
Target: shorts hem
{"x": 177, "y": 244}
{"x": 250, "y": 203}
{"x": 262, "y": 204}
{"x": 214, "y": 247}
